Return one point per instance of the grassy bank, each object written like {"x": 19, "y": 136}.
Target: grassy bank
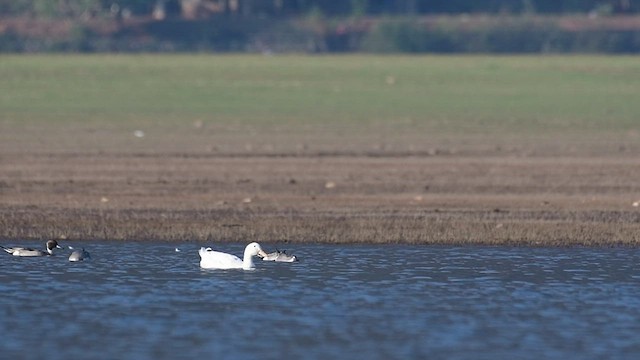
{"x": 473, "y": 149}
{"x": 367, "y": 101}
{"x": 446, "y": 92}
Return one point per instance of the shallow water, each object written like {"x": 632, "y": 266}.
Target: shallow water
{"x": 144, "y": 300}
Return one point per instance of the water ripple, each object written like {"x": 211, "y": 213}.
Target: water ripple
{"x": 145, "y": 300}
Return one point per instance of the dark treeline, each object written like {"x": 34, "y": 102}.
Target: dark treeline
{"x": 320, "y": 26}
{"x": 426, "y": 7}
{"x": 203, "y": 8}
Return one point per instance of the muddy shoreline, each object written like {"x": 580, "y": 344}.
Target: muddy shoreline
{"x": 455, "y": 199}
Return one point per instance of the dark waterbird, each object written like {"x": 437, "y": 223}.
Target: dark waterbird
{"x": 79, "y": 255}
{"x": 280, "y": 256}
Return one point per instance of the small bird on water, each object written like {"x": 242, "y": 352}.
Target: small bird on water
{"x": 280, "y": 256}
{"x": 79, "y": 255}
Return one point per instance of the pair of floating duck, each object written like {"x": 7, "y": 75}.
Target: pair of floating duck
{"x": 210, "y": 259}
{"x": 280, "y": 256}
{"x": 76, "y": 255}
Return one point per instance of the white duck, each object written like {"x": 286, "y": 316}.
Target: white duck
{"x": 210, "y": 259}
{"x": 29, "y": 252}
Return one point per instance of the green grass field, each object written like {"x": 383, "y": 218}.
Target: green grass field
{"x": 474, "y": 94}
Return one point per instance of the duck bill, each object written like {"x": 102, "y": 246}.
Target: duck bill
{"x": 262, "y": 254}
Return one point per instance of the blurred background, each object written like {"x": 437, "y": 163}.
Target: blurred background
{"x": 321, "y": 26}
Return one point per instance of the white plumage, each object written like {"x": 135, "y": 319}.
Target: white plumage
{"x": 210, "y": 259}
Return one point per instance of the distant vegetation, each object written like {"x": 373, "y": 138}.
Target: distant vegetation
{"x": 282, "y": 8}
{"x": 316, "y": 26}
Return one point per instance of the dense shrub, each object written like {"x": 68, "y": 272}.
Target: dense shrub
{"x": 501, "y": 37}
{"x": 413, "y": 35}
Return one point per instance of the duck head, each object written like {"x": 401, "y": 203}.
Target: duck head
{"x": 254, "y": 249}
{"x": 52, "y": 244}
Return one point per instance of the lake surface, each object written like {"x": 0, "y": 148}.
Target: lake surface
{"x": 145, "y": 300}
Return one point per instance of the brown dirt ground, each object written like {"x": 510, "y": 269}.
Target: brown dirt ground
{"x": 523, "y": 196}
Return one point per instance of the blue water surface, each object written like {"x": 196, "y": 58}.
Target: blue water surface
{"x": 143, "y": 300}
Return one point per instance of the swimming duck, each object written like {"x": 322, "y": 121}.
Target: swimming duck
{"x": 79, "y": 255}
{"x": 210, "y": 259}
{"x": 280, "y": 256}
{"x": 29, "y": 252}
